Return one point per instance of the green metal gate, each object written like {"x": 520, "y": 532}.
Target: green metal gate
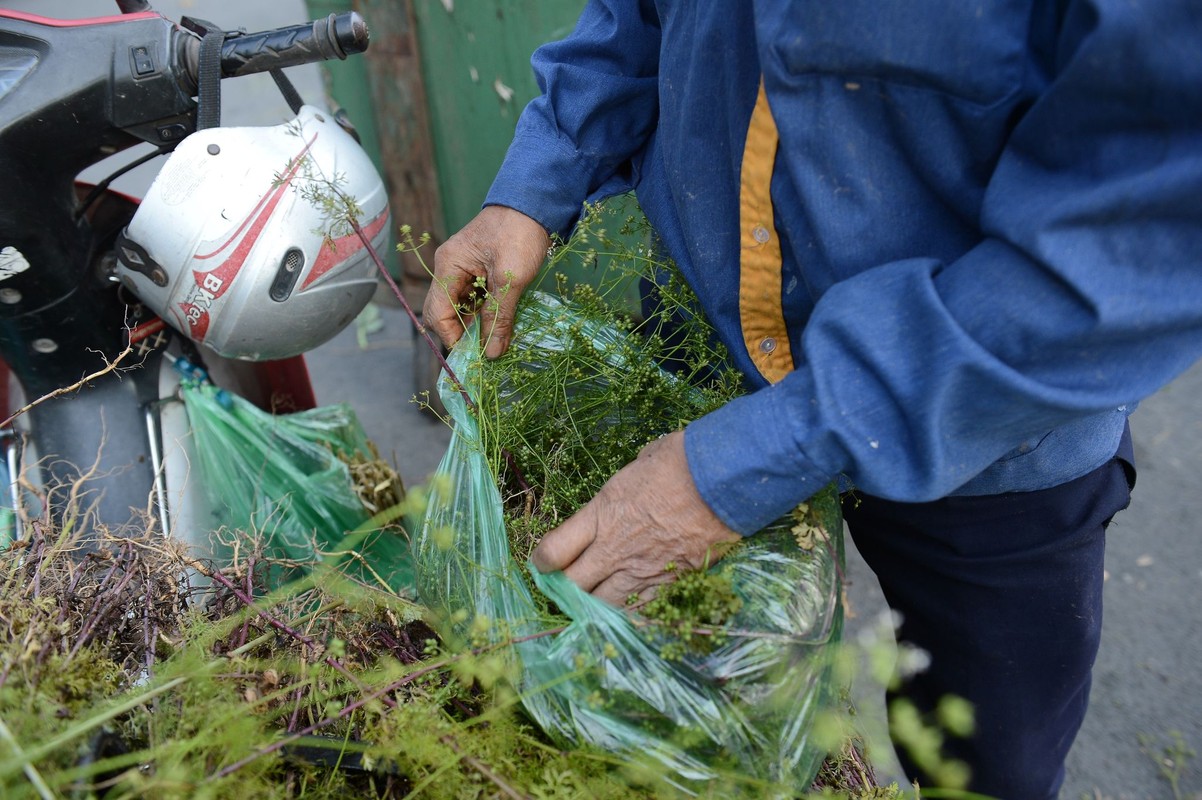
{"x": 475, "y": 57}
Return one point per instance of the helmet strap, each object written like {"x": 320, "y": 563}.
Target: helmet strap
{"x": 291, "y": 95}
{"x": 208, "y": 69}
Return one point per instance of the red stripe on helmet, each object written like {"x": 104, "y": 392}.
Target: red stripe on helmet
{"x": 338, "y": 250}
{"x": 214, "y": 283}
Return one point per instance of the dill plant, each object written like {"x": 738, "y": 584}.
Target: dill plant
{"x": 585, "y": 384}
{"x": 558, "y": 420}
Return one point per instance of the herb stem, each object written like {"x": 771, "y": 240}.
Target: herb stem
{"x": 413, "y": 317}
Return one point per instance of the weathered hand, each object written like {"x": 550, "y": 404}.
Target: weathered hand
{"x": 500, "y": 247}
{"x": 646, "y": 516}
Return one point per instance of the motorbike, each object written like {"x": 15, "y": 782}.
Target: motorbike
{"x": 107, "y": 427}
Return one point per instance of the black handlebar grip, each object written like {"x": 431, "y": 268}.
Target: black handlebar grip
{"x": 336, "y": 36}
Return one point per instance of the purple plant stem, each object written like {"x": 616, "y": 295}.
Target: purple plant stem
{"x": 86, "y": 633}
{"x": 512, "y": 463}
{"x": 39, "y": 559}
{"x": 249, "y": 588}
{"x": 73, "y": 584}
{"x": 417, "y": 323}
{"x": 147, "y": 637}
{"x": 290, "y": 631}
{"x": 296, "y": 708}
{"x": 103, "y": 582}
{"x": 434, "y": 348}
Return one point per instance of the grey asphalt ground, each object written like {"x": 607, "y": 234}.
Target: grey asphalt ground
{"x": 1148, "y": 678}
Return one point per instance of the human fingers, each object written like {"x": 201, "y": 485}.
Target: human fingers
{"x": 628, "y": 550}
{"x": 500, "y": 251}
{"x": 628, "y": 545}
{"x": 618, "y": 589}
{"x": 520, "y": 249}
{"x": 562, "y": 546}
{"x": 458, "y": 266}
{"x": 498, "y": 313}
{"x": 647, "y": 515}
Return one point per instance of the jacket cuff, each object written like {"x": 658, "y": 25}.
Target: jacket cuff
{"x": 746, "y": 463}
{"x": 543, "y": 177}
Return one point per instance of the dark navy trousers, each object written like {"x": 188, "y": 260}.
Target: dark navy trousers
{"x": 1005, "y": 594}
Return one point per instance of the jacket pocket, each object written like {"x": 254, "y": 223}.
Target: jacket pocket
{"x": 973, "y": 51}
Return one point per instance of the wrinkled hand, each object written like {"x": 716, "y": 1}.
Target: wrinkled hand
{"x": 501, "y": 248}
{"x": 647, "y": 515}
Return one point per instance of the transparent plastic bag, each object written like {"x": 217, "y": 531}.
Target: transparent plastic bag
{"x": 284, "y": 478}
{"x": 745, "y": 708}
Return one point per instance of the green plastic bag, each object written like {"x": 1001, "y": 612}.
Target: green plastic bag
{"x": 8, "y": 515}
{"x": 746, "y": 707}
{"x": 280, "y": 476}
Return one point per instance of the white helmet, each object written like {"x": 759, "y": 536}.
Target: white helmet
{"x": 241, "y": 243}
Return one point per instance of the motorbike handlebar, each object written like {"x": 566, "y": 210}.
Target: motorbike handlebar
{"x": 335, "y": 36}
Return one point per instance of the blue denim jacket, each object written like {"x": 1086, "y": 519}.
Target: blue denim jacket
{"x": 986, "y": 220}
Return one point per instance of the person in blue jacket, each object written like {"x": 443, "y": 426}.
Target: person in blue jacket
{"x": 950, "y": 245}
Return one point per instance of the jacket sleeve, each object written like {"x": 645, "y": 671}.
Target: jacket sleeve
{"x": 598, "y": 107}
{"x": 1084, "y": 294}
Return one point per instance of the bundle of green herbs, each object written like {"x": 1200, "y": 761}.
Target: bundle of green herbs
{"x": 591, "y": 377}
{"x": 558, "y": 421}
{"x": 721, "y": 678}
